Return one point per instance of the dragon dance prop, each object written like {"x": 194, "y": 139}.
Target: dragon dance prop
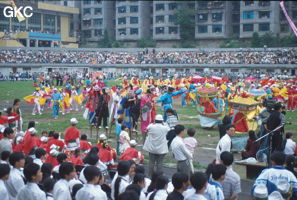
{"x": 244, "y": 113}
{"x": 293, "y": 26}
{"x": 209, "y": 106}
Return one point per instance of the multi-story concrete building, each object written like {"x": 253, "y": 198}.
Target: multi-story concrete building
{"x": 164, "y": 27}
{"x": 133, "y": 20}
{"x": 50, "y": 25}
{"x": 97, "y": 17}
{"x": 214, "y": 19}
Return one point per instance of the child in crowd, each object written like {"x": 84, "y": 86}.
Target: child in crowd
{"x": 118, "y": 130}
{"x": 171, "y": 118}
{"x": 124, "y": 139}
{"x": 191, "y": 143}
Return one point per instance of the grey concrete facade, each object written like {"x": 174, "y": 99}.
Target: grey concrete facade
{"x": 133, "y": 20}
{"x": 97, "y": 17}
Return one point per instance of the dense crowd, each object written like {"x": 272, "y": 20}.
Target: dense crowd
{"x": 284, "y": 56}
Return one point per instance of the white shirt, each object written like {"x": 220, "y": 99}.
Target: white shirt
{"x": 14, "y": 183}
{"x": 180, "y": 150}
{"x": 160, "y": 195}
{"x": 123, "y": 185}
{"x": 31, "y": 191}
{"x": 89, "y": 191}
{"x": 38, "y": 161}
{"x": 214, "y": 193}
{"x": 3, "y": 191}
{"x": 147, "y": 184}
{"x": 61, "y": 190}
{"x": 223, "y": 145}
{"x": 156, "y": 141}
{"x": 290, "y": 147}
{"x": 56, "y": 169}
{"x": 196, "y": 197}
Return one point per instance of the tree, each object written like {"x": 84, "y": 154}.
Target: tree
{"x": 146, "y": 42}
{"x": 106, "y": 42}
{"x": 185, "y": 18}
{"x": 255, "y": 40}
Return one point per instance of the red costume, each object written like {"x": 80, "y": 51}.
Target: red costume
{"x": 54, "y": 141}
{"x": 84, "y": 145}
{"x": 76, "y": 160}
{"x": 71, "y": 134}
{"x": 29, "y": 143}
{"x": 240, "y": 123}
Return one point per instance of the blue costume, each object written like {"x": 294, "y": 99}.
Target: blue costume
{"x": 166, "y": 100}
{"x": 56, "y": 97}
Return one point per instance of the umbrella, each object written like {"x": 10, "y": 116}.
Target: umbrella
{"x": 250, "y": 79}
{"x": 257, "y": 92}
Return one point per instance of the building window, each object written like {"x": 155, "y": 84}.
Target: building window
{"x": 160, "y": 19}
{"x": 172, "y": 18}
{"x": 133, "y": 31}
{"x": 264, "y": 14}
{"x": 122, "y": 9}
{"x": 34, "y": 22}
{"x": 264, "y": 3}
{"x": 160, "y": 6}
{"x": 172, "y": 6}
{"x": 159, "y": 30}
{"x": 202, "y": 29}
{"x": 133, "y": 20}
{"x": 248, "y": 27}
{"x": 98, "y": 1}
{"x": 98, "y": 32}
{"x": 87, "y": 33}
{"x": 87, "y": 11}
{"x": 87, "y": 22}
{"x": 122, "y": 20}
{"x": 202, "y": 17}
{"x": 217, "y": 16}
{"x": 65, "y": 3}
{"x": 87, "y": 2}
{"x": 248, "y": 14}
{"x": 248, "y": 3}
{"x": 98, "y": 22}
{"x": 133, "y": 9}
{"x": 284, "y": 28}
{"x": 173, "y": 30}
{"x": 49, "y": 23}
{"x": 294, "y": 14}
{"x": 217, "y": 28}
{"x": 264, "y": 27}
{"x": 97, "y": 11}
{"x": 202, "y": 4}
{"x": 122, "y": 31}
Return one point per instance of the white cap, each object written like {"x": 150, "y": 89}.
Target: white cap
{"x": 32, "y": 131}
{"x": 44, "y": 139}
{"x": 55, "y": 89}
{"x": 133, "y": 143}
{"x": 2, "y": 128}
{"x": 73, "y": 121}
{"x": 260, "y": 191}
{"x": 275, "y": 196}
{"x": 159, "y": 118}
{"x": 102, "y": 137}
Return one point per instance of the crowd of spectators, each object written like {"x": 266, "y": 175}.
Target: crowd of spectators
{"x": 283, "y": 56}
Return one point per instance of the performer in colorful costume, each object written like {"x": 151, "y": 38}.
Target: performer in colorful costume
{"x": 56, "y": 99}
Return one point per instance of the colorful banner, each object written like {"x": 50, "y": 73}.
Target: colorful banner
{"x": 293, "y": 26}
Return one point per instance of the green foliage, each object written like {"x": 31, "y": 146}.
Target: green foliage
{"x": 185, "y": 18}
{"x": 234, "y": 42}
{"x": 146, "y": 42}
{"x": 108, "y": 42}
{"x": 187, "y": 44}
{"x": 255, "y": 40}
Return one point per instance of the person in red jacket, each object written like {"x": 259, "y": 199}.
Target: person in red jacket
{"x": 54, "y": 147}
{"x": 30, "y": 143}
{"x": 132, "y": 154}
{"x": 106, "y": 154}
{"x": 85, "y": 146}
{"x": 18, "y": 145}
{"x": 6, "y": 119}
{"x": 76, "y": 158}
{"x": 72, "y": 135}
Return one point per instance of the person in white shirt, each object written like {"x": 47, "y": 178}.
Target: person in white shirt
{"x": 4, "y": 174}
{"x": 290, "y": 145}
{"x": 16, "y": 178}
{"x": 61, "y": 188}
{"x": 216, "y": 174}
{"x": 31, "y": 190}
{"x": 124, "y": 139}
{"x": 5, "y": 143}
{"x": 156, "y": 144}
{"x": 225, "y": 142}
{"x": 139, "y": 180}
{"x": 199, "y": 182}
{"x": 160, "y": 192}
{"x": 119, "y": 184}
{"x": 92, "y": 190}
{"x": 91, "y": 160}
{"x": 40, "y": 155}
{"x": 180, "y": 152}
